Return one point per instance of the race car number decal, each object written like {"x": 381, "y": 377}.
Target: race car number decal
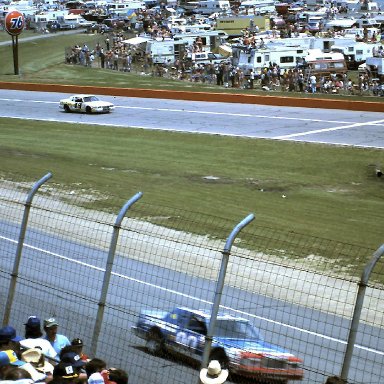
{"x": 187, "y": 340}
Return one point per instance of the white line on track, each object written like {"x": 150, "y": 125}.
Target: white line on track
{"x": 354, "y": 125}
{"x": 201, "y": 112}
{"x": 375, "y": 351}
{"x": 291, "y": 137}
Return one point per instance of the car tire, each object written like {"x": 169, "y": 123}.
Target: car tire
{"x": 155, "y": 342}
{"x": 66, "y": 108}
{"x": 88, "y": 110}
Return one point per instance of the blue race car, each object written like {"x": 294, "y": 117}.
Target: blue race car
{"x": 236, "y": 344}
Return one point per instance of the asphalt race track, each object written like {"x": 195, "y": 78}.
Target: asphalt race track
{"x": 364, "y": 129}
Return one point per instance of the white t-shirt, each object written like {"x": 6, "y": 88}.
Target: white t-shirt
{"x": 43, "y": 344}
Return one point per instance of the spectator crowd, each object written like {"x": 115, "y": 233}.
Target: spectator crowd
{"x": 46, "y": 356}
{"x": 115, "y": 54}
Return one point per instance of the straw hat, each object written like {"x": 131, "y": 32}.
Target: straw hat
{"x": 36, "y": 358}
{"x": 213, "y": 374}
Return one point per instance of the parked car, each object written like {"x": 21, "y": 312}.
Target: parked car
{"x": 236, "y": 344}
{"x": 56, "y": 26}
{"x": 85, "y": 103}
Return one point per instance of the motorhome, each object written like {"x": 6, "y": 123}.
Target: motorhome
{"x": 41, "y": 19}
{"x": 325, "y": 44}
{"x": 169, "y": 50}
{"x": 355, "y": 53}
{"x": 375, "y": 66}
{"x": 234, "y": 25}
{"x": 26, "y": 7}
{"x": 207, "y": 7}
{"x": 188, "y": 5}
{"x": 122, "y": 8}
{"x": 253, "y": 58}
{"x": 360, "y": 33}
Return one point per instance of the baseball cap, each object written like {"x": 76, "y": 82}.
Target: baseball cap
{"x": 9, "y": 357}
{"x": 65, "y": 371}
{"x": 8, "y": 333}
{"x": 51, "y": 322}
{"x": 72, "y": 358}
{"x": 33, "y": 322}
{"x": 77, "y": 342}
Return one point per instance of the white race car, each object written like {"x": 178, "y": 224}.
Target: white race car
{"x": 85, "y": 103}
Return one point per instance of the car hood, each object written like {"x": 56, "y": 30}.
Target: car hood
{"x": 255, "y": 346}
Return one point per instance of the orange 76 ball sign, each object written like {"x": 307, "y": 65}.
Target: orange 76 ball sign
{"x": 14, "y": 23}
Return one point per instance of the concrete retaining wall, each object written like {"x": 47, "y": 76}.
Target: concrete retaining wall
{"x": 369, "y": 106}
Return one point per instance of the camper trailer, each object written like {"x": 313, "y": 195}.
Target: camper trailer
{"x": 207, "y": 7}
{"x": 375, "y": 66}
{"x": 355, "y": 53}
{"x": 170, "y": 49}
{"x": 253, "y": 58}
{"x": 122, "y": 8}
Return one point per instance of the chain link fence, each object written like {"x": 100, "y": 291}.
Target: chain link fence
{"x": 297, "y": 290}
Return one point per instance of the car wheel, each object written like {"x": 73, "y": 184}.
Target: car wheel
{"x": 66, "y": 108}
{"x": 88, "y": 110}
{"x": 155, "y": 343}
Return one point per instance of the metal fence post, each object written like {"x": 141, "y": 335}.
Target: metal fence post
{"x": 357, "y": 312}
{"x": 108, "y": 270}
{"x": 20, "y": 243}
{"x": 219, "y": 287}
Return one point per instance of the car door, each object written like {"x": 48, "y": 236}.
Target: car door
{"x": 190, "y": 335}
{"x": 78, "y": 104}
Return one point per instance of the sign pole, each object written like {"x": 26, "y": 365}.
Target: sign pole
{"x": 14, "y": 24}
{"x": 15, "y": 47}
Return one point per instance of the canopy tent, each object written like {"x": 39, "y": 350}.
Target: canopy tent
{"x": 136, "y": 40}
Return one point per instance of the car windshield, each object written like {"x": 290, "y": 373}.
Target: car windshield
{"x": 90, "y": 98}
{"x": 235, "y": 329}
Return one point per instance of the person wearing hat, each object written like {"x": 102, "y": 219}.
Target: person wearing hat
{"x": 9, "y": 339}
{"x": 37, "y": 359}
{"x": 65, "y": 373}
{"x": 78, "y": 345}
{"x": 213, "y": 374}
{"x": 73, "y": 359}
{"x": 33, "y": 338}
{"x": 8, "y": 334}
{"x": 9, "y": 360}
{"x": 33, "y": 328}
{"x": 57, "y": 340}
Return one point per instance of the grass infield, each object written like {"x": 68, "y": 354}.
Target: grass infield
{"x": 331, "y": 192}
